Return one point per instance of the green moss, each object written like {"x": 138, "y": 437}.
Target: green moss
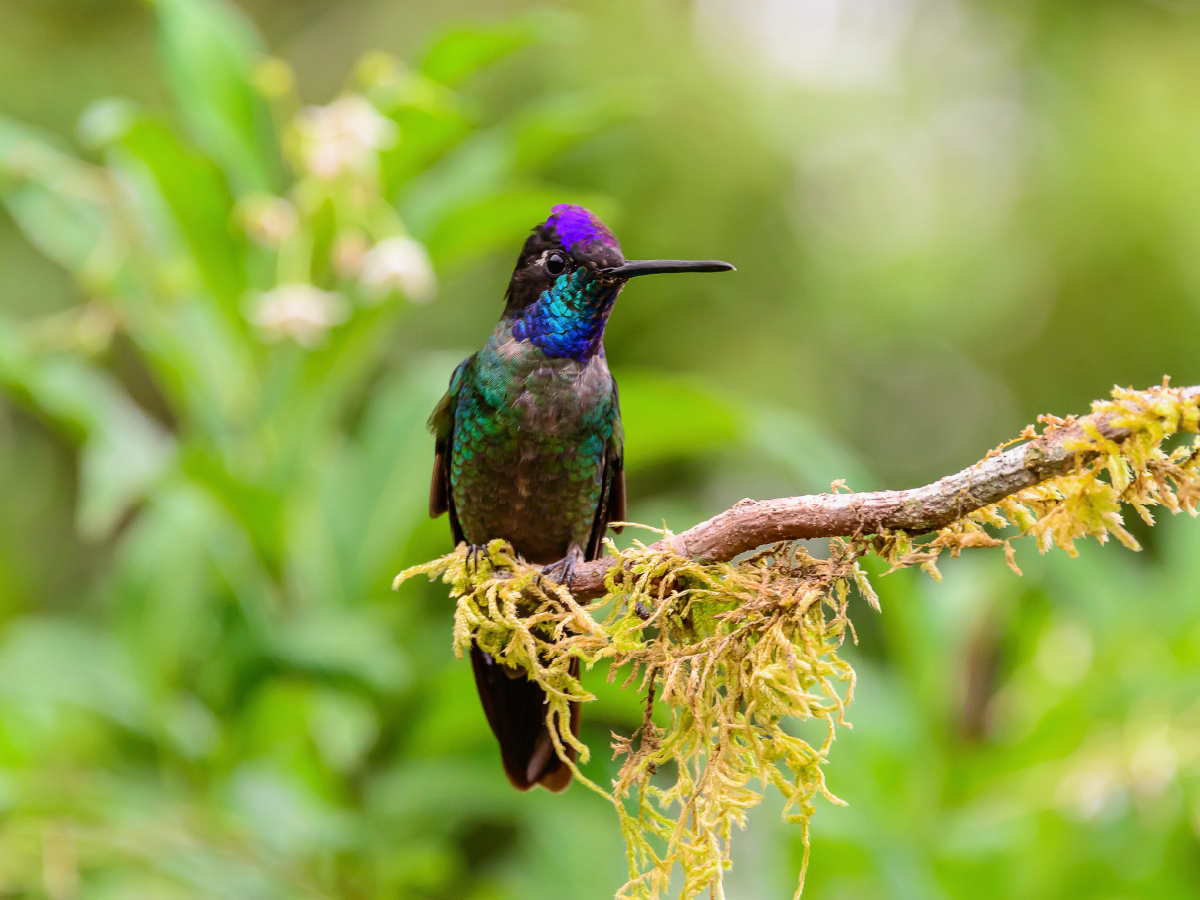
{"x": 1088, "y": 501}
{"x": 733, "y": 651}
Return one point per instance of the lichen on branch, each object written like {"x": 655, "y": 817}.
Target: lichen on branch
{"x": 1108, "y": 459}
{"x": 1145, "y": 417}
{"x": 729, "y": 652}
{"x": 732, "y": 653}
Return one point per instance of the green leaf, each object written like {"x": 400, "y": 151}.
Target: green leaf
{"x": 425, "y": 136}
{"x": 284, "y": 813}
{"x": 552, "y": 125}
{"x": 59, "y": 202}
{"x": 421, "y": 790}
{"x": 344, "y": 642}
{"x": 255, "y": 506}
{"x": 198, "y": 348}
{"x": 462, "y": 51}
{"x": 209, "y": 50}
{"x": 124, "y": 450}
{"x": 191, "y": 727}
{"x": 501, "y": 221}
{"x": 164, "y": 584}
{"x": 668, "y": 417}
{"x": 478, "y": 168}
{"x": 119, "y": 465}
{"x": 198, "y": 196}
{"x": 811, "y": 456}
{"x": 382, "y": 494}
{"x": 56, "y": 661}
{"x": 445, "y": 721}
{"x": 480, "y": 196}
{"x": 203, "y": 363}
{"x": 343, "y": 726}
{"x": 314, "y": 388}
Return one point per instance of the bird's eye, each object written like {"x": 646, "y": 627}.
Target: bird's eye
{"x": 555, "y": 264}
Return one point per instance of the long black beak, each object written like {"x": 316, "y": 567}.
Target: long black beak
{"x": 636, "y": 267}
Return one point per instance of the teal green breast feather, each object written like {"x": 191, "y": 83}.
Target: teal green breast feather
{"x": 529, "y": 445}
{"x": 530, "y": 449}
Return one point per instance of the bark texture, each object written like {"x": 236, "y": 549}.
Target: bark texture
{"x": 751, "y": 523}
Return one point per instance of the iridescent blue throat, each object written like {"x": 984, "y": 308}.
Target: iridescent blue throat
{"x": 567, "y": 321}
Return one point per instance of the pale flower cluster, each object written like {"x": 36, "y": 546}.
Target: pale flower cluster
{"x": 398, "y": 264}
{"x": 343, "y": 137}
{"x": 1105, "y": 780}
{"x": 268, "y": 221}
{"x": 298, "y": 311}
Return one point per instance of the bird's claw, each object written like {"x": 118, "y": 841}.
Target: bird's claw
{"x": 474, "y": 551}
{"x": 560, "y": 572}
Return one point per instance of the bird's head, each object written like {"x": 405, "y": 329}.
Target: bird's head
{"x": 574, "y": 247}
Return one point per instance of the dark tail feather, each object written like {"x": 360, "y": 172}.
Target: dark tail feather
{"x": 516, "y": 710}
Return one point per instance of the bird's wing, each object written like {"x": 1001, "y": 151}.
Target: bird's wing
{"x": 612, "y": 493}
{"x": 441, "y": 423}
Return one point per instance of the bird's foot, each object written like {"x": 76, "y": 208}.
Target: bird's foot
{"x": 561, "y": 571}
{"x": 474, "y": 551}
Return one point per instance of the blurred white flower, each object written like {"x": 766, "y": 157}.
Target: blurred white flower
{"x": 399, "y": 264}
{"x": 349, "y": 250}
{"x": 299, "y": 311}
{"x": 343, "y": 137}
{"x": 105, "y": 122}
{"x": 1153, "y": 765}
{"x": 268, "y": 220}
{"x": 1093, "y": 790}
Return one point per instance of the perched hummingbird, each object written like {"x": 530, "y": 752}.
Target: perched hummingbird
{"x": 530, "y": 446}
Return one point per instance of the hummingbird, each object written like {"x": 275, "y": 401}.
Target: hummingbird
{"x": 530, "y": 448}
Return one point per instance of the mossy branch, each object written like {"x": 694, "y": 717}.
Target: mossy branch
{"x": 730, "y": 655}
{"x": 1065, "y": 445}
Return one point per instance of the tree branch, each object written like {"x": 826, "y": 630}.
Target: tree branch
{"x": 750, "y": 524}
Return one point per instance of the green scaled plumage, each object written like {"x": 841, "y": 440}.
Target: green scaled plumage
{"x": 530, "y": 449}
{"x": 533, "y": 444}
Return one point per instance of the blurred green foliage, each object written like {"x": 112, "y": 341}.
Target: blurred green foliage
{"x": 947, "y": 218}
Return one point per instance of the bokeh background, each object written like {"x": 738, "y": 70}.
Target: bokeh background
{"x": 948, "y": 217}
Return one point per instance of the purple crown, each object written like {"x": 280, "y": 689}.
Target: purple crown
{"x": 577, "y": 227}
